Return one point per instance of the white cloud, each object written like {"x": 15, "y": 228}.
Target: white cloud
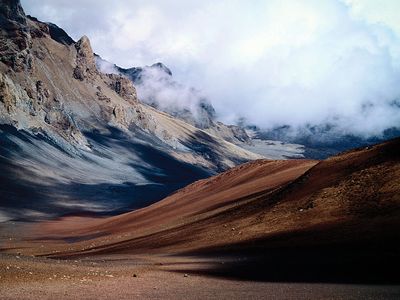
{"x": 273, "y": 62}
{"x": 385, "y": 12}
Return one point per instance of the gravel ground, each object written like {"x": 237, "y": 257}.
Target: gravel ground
{"x": 133, "y": 277}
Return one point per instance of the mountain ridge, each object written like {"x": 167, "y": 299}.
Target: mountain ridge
{"x": 88, "y": 124}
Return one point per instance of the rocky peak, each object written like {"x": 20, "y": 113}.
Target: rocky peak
{"x": 40, "y": 29}
{"x": 59, "y": 35}
{"x": 85, "y": 61}
{"x": 84, "y": 48}
{"x": 162, "y": 67}
{"x": 136, "y": 74}
{"x": 11, "y": 10}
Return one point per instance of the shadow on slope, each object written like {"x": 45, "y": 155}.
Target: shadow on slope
{"x": 202, "y": 144}
{"x": 40, "y": 179}
{"x": 339, "y": 222}
{"x": 301, "y": 257}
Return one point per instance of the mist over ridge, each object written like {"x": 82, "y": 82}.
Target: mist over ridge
{"x": 304, "y": 64}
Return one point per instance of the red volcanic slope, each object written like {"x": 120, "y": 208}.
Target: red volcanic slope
{"x": 192, "y": 202}
{"x": 352, "y": 196}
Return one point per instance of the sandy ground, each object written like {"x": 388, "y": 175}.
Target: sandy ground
{"x": 141, "y": 277}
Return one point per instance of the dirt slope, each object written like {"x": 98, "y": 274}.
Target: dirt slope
{"x": 353, "y": 197}
{"x": 288, "y": 229}
{"x": 195, "y": 202}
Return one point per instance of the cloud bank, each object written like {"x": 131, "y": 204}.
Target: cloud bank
{"x": 273, "y": 63}
{"x": 159, "y": 89}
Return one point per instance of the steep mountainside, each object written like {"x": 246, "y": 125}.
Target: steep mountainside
{"x": 158, "y": 88}
{"x": 70, "y": 133}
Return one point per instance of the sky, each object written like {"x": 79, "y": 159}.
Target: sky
{"x": 274, "y": 63}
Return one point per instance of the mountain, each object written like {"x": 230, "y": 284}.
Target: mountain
{"x": 75, "y": 139}
{"x": 105, "y": 194}
{"x": 269, "y": 220}
{"x": 318, "y": 142}
{"x": 157, "y": 87}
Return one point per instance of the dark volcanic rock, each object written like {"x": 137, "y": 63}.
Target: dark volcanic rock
{"x": 56, "y": 33}
{"x": 11, "y": 10}
{"x": 59, "y": 35}
{"x": 15, "y": 39}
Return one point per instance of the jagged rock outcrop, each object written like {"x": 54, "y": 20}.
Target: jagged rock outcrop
{"x": 15, "y": 39}
{"x": 11, "y": 10}
{"x": 58, "y": 34}
{"x": 123, "y": 87}
{"x": 7, "y": 96}
{"x": 85, "y": 63}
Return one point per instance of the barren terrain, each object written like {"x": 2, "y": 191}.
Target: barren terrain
{"x": 278, "y": 229}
